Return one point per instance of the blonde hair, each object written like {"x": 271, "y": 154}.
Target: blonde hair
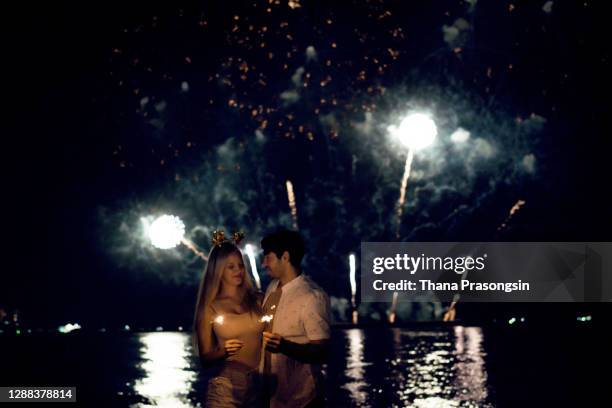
{"x": 210, "y": 285}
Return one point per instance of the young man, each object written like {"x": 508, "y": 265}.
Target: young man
{"x": 297, "y": 336}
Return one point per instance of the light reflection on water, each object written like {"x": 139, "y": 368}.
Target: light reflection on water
{"x": 389, "y": 367}
{"x": 169, "y": 376}
{"x": 355, "y": 364}
{"x": 470, "y": 374}
{"x": 426, "y": 369}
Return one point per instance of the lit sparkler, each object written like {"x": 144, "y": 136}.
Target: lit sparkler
{"x": 266, "y": 318}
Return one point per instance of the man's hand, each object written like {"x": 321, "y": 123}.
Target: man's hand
{"x": 232, "y": 346}
{"x": 272, "y": 341}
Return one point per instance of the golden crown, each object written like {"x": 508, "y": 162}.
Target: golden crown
{"x": 218, "y": 237}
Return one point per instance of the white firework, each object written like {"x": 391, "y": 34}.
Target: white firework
{"x": 166, "y": 232}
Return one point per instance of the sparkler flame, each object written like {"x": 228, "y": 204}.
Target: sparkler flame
{"x": 266, "y": 318}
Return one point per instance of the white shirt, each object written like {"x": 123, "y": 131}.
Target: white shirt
{"x": 302, "y": 315}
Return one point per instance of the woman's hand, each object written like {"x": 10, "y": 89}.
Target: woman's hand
{"x": 232, "y": 346}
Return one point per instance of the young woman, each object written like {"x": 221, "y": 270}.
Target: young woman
{"x": 228, "y": 328}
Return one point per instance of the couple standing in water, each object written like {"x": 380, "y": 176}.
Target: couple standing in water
{"x": 268, "y": 348}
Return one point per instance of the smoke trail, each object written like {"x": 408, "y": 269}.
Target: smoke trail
{"x": 402, "y": 197}
{"x": 250, "y": 251}
{"x": 194, "y": 249}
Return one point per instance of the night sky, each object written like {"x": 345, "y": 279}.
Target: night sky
{"x": 205, "y": 110}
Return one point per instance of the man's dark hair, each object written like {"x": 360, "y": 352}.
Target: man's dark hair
{"x": 285, "y": 240}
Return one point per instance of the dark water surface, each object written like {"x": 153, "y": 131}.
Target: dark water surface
{"x": 447, "y": 366}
